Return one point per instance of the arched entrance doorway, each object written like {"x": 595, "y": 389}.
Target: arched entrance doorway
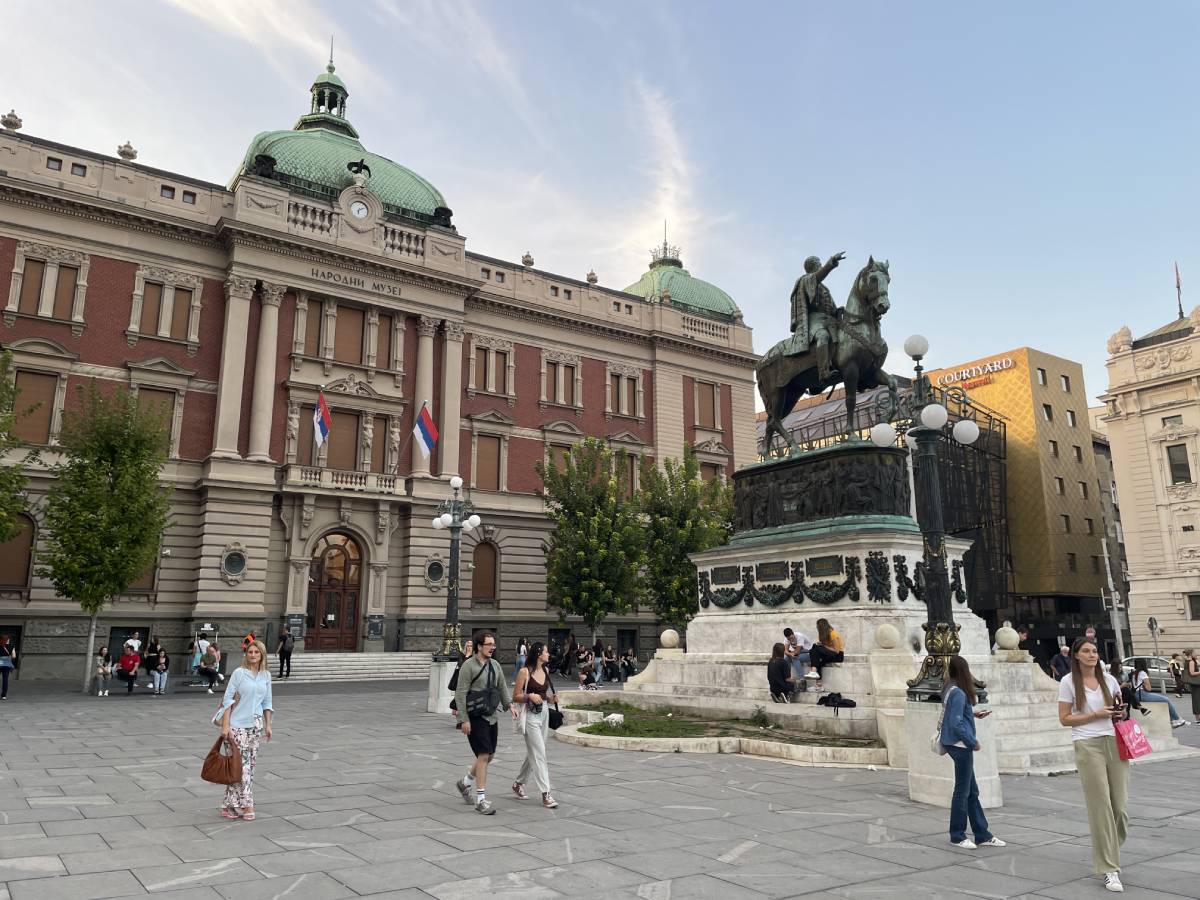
{"x": 334, "y": 594}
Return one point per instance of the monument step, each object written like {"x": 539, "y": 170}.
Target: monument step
{"x": 402, "y": 666}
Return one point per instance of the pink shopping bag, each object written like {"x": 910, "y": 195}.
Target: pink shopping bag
{"x": 1131, "y": 740}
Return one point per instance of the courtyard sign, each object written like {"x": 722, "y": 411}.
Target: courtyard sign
{"x": 954, "y": 376}
{"x": 359, "y": 282}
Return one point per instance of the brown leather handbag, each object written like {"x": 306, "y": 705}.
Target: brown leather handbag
{"x": 220, "y": 768}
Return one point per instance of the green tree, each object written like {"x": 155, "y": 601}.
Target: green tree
{"x": 596, "y": 548}
{"x": 683, "y": 514}
{"x": 106, "y": 511}
{"x": 12, "y": 472}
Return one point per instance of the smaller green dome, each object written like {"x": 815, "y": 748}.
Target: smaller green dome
{"x": 327, "y": 77}
{"x": 668, "y": 281}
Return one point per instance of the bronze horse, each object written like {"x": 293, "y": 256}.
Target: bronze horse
{"x": 858, "y": 354}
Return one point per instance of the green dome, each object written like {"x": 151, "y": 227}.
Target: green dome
{"x": 668, "y": 281}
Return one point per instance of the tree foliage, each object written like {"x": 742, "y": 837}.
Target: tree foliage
{"x": 683, "y": 514}
{"x": 596, "y": 548}
{"x": 12, "y": 473}
{"x": 106, "y": 511}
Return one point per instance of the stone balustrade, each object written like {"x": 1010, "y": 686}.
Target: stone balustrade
{"x": 344, "y": 480}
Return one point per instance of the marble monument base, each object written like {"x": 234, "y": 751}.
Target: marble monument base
{"x": 931, "y": 776}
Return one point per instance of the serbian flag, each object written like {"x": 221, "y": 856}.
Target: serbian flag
{"x": 425, "y": 432}
{"x": 322, "y": 422}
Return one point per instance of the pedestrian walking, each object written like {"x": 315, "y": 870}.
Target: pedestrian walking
{"x": 1191, "y": 679}
{"x": 1145, "y": 694}
{"x": 287, "y": 643}
{"x": 8, "y": 662}
{"x": 245, "y": 716}
{"x": 959, "y": 740}
{"x": 1060, "y": 666}
{"x": 533, "y": 694}
{"x": 570, "y": 657}
{"x": 158, "y": 674}
{"x": 127, "y": 667}
{"x": 482, "y": 689}
{"x": 1088, "y": 703}
{"x": 1175, "y": 667}
{"x": 103, "y": 672}
{"x": 522, "y": 652}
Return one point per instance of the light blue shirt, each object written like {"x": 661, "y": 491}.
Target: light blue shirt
{"x": 253, "y": 695}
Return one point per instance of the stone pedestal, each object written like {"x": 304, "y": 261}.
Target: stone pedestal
{"x": 930, "y": 776}
{"x": 440, "y": 695}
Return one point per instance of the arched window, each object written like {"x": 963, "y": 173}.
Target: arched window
{"x": 17, "y": 554}
{"x": 483, "y": 577}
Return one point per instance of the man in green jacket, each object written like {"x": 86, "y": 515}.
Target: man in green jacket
{"x": 481, "y": 675}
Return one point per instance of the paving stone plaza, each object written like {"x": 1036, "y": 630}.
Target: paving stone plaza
{"x": 101, "y": 797}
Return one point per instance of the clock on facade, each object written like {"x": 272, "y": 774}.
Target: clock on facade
{"x": 359, "y": 210}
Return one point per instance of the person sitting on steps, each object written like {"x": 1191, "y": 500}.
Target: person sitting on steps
{"x": 829, "y": 648}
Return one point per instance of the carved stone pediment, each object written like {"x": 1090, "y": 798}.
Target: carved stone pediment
{"x": 491, "y": 342}
{"x": 491, "y": 417}
{"x": 1162, "y": 357}
{"x": 561, "y": 356}
{"x": 562, "y": 426}
{"x": 42, "y": 347}
{"x": 1174, "y": 433}
{"x": 351, "y": 384}
{"x": 159, "y": 365}
{"x": 626, "y": 437}
{"x": 712, "y": 446}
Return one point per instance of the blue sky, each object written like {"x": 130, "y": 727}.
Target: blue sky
{"x": 1027, "y": 168}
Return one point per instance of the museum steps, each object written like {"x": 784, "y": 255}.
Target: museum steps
{"x": 313, "y": 667}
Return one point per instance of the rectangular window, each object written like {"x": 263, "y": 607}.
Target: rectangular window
{"x": 629, "y": 402}
{"x": 616, "y": 306}
{"x": 1047, "y": 412}
{"x": 481, "y": 368}
{"x": 614, "y": 388}
{"x": 348, "y": 335}
{"x": 158, "y": 403}
{"x": 1095, "y": 565}
{"x": 383, "y": 350}
{"x": 31, "y": 286}
{"x": 64, "y": 292}
{"x": 1168, "y": 421}
{"x": 558, "y": 456}
{"x": 710, "y": 471}
{"x": 53, "y": 163}
{"x": 34, "y": 406}
{"x": 628, "y": 475}
{"x": 568, "y": 378}
{"x": 189, "y": 197}
{"x": 1071, "y": 417}
{"x": 1066, "y": 524}
{"x": 181, "y": 309}
{"x": 1041, "y": 376}
{"x": 379, "y": 439}
{"x": 343, "y": 441}
{"x": 167, "y": 192}
{"x": 501, "y": 371}
{"x": 1065, "y": 382}
{"x": 1060, "y": 486}
{"x": 305, "y": 448}
{"x": 485, "y": 274}
{"x": 145, "y": 581}
{"x": 1078, "y": 451}
{"x": 500, "y": 278}
{"x": 1177, "y": 460}
{"x": 1091, "y": 526}
{"x": 1072, "y": 565}
{"x": 552, "y": 382}
{"x": 151, "y": 307}
{"x": 707, "y": 405}
{"x": 566, "y": 293}
{"x": 78, "y": 169}
{"x": 553, "y": 291}
{"x": 1194, "y": 606}
{"x": 312, "y": 328}
{"x": 487, "y": 462}
{"x": 629, "y": 309}
{"x": 1054, "y": 448}
{"x": 1083, "y": 490}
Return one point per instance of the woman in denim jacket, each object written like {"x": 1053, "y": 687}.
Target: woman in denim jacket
{"x": 958, "y": 738}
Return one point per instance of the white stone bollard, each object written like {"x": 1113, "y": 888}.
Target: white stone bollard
{"x": 931, "y": 776}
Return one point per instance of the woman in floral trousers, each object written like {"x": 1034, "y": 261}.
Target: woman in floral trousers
{"x": 245, "y": 717}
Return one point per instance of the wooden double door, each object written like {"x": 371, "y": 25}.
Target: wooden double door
{"x": 334, "y": 594}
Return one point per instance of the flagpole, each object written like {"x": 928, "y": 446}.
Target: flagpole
{"x": 408, "y": 440}
{"x": 1178, "y": 290}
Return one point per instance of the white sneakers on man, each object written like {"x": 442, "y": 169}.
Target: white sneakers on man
{"x": 1112, "y": 882}
{"x": 993, "y": 842}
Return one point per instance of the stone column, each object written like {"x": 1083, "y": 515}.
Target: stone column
{"x": 263, "y": 398}
{"x": 238, "y": 291}
{"x": 297, "y": 597}
{"x": 451, "y": 399}
{"x": 426, "y": 329}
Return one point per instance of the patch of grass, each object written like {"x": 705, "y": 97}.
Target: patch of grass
{"x": 649, "y": 728}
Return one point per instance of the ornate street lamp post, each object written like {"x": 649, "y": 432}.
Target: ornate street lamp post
{"x": 928, "y": 421}
{"x": 458, "y": 515}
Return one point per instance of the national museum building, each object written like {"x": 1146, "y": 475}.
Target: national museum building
{"x": 323, "y": 264}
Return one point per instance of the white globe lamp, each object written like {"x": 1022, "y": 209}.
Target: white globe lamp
{"x": 437, "y": 523}
{"x": 445, "y": 519}
{"x": 468, "y": 527}
{"x": 883, "y": 435}
{"x": 475, "y": 520}
{"x": 456, "y": 482}
{"x": 934, "y": 416}
{"x": 966, "y": 431}
{"x": 916, "y": 346}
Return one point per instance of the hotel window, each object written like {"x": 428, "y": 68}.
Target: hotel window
{"x": 485, "y": 274}
{"x": 1072, "y": 565}
{"x": 553, "y": 291}
{"x": 1065, "y": 382}
{"x": 1091, "y": 526}
{"x": 189, "y": 197}
{"x": 1078, "y": 451}
{"x": 487, "y": 462}
{"x": 1071, "y": 417}
{"x": 1066, "y": 524}
{"x": 1041, "y": 376}
{"x": 53, "y": 163}
{"x": 484, "y": 566}
{"x": 1047, "y": 412}
{"x": 500, "y": 278}
{"x": 1054, "y": 448}
{"x": 707, "y": 398}
{"x": 1169, "y": 421}
{"x": 78, "y": 170}
{"x": 37, "y": 390}
{"x": 167, "y": 192}
{"x": 341, "y": 449}
{"x": 1194, "y": 606}
{"x": 1083, "y": 490}
{"x": 1095, "y": 565}
{"x": 348, "y": 335}
{"x": 312, "y": 328}
{"x": 1177, "y": 460}
{"x": 1060, "y": 486}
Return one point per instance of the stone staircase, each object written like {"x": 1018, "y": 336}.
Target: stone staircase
{"x": 314, "y": 667}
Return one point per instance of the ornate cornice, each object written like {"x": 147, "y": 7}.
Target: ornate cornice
{"x": 624, "y": 369}
{"x": 172, "y": 276}
{"x": 491, "y": 342}
{"x": 561, "y": 356}
{"x": 51, "y": 253}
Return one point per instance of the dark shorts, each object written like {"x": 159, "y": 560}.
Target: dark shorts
{"x": 483, "y": 736}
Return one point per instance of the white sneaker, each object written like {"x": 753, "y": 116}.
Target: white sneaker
{"x": 1112, "y": 882}
{"x": 813, "y": 675}
{"x": 964, "y": 844}
{"x": 993, "y": 842}
{"x": 1178, "y": 723}
{"x": 106, "y": 693}
{"x": 210, "y": 690}
{"x": 220, "y": 677}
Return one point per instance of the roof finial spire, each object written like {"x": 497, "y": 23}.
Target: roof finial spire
{"x": 329, "y": 68}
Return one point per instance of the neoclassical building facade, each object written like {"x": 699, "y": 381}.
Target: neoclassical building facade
{"x": 323, "y": 265}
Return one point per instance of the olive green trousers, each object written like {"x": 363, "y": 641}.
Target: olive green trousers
{"x": 1105, "y": 779}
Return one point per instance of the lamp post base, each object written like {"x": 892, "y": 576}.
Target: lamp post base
{"x": 451, "y": 646}
{"x": 941, "y": 644}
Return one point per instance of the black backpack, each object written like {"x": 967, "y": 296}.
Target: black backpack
{"x": 289, "y": 642}
{"x": 836, "y": 701}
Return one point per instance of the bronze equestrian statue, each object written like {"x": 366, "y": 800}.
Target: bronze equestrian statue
{"x": 828, "y": 345}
